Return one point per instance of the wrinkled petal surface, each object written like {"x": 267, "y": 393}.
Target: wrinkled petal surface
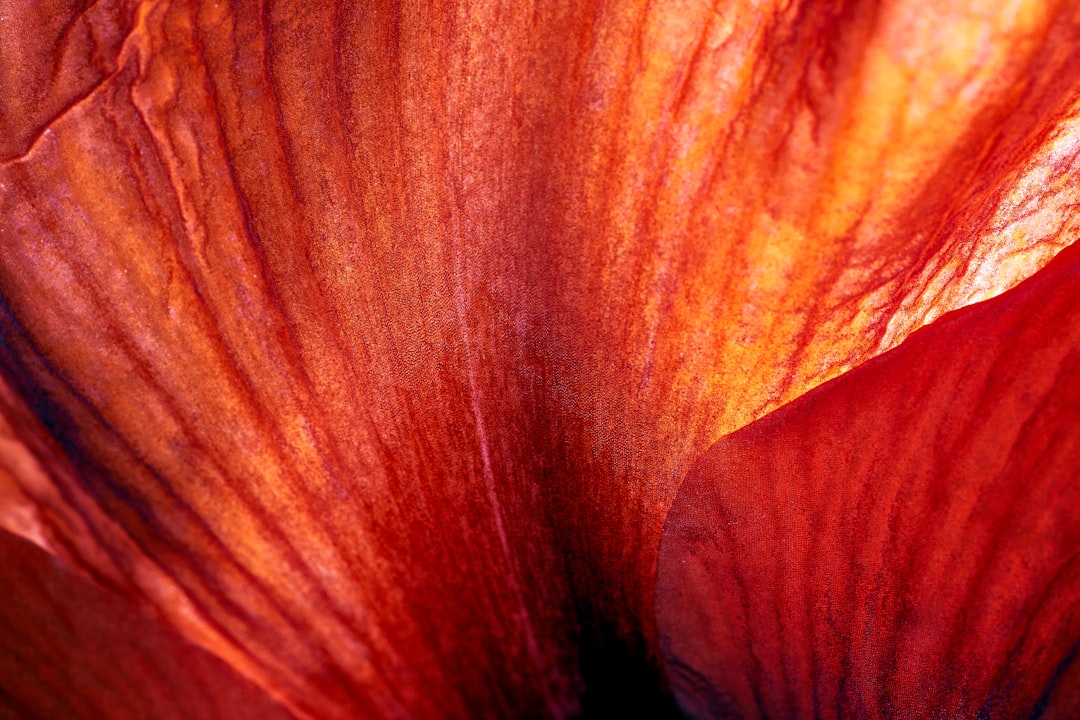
{"x": 901, "y": 542}
{"x": 377, "y": 337}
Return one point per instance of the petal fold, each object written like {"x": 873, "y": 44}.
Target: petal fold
{"x": 383, "y": 333}
{"x": 71, "y": 650}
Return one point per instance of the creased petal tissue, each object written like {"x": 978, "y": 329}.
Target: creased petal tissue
{"x": 359, "y": 351}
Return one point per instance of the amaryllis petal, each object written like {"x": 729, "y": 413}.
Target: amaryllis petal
{"x": 380, "y": 335}
{"x": 902, "y": 542}
{"x": 69, "y": 649}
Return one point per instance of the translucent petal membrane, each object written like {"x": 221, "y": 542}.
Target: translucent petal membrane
{"x": 72, "y": 650}
{"x": 377, "y": 337}
{"x": 901, "y": 542}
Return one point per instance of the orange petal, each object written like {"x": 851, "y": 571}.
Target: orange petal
{"x": 904, "y": 541}
{"x": 385, "y": 333}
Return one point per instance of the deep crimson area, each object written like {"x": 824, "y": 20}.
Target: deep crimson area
{"x": 901, "y": 542}
{"x": 130, "y": 666}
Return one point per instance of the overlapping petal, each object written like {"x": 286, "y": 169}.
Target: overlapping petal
{"x": 379, "y": 336}
{"x": 902, "y": 542}
{"x": 73, "y": 650}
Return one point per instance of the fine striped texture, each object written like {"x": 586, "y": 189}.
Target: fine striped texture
{"x": 901, "y": 542}
{"x": 368, "y": 343}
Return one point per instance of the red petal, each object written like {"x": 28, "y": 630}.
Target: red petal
{"x": 385, "y": 332}
{"x": 72, "y": 650}
{"x": 902, "y": 542}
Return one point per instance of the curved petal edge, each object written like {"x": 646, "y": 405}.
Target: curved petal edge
{"x": 903, "y": 541}
{"x": 69, "y": 649}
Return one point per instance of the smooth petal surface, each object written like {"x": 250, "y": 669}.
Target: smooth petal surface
{"x": 379, "y": 336}
{"x": 69, "y": 649}
{"x": 902, "y": 542}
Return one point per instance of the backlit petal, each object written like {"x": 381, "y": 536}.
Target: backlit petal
{"x": 382, "y": 335}
{"x": 901, "y": 542}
